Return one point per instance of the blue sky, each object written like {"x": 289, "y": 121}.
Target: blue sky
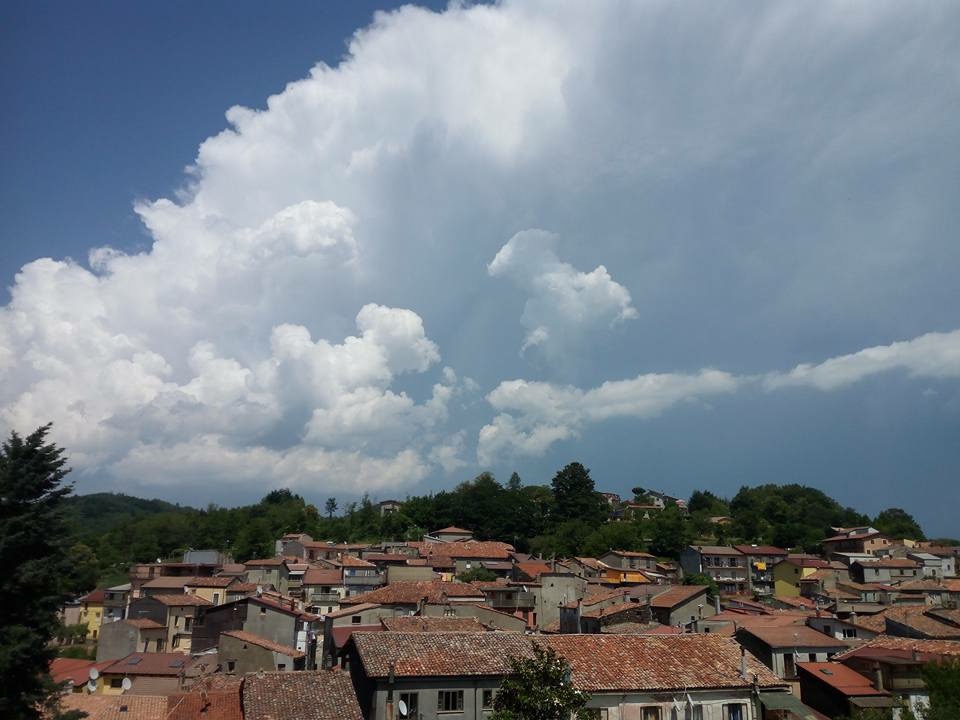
{"x": 692, "y": 246}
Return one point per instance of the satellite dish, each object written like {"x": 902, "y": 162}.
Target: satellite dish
{"x": 92, "y": 686}
{"x": 94, "y": 673}
{"x": 402, "y": 707}
{"x": 126, "y": 684}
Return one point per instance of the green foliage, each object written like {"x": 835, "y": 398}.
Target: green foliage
{"x": 706, "y": 502}
{"x": 71, "y": 634}
{"x": 538, "y": 688}
{"x": 575, "y": 497}
{"x": 480, "y": 573}
{"x": 788, "y": 515}
{"x": 612, "y": 536}
{"x": 671, "y": 532}
{"x": 36, "y": 578}
{"x": 79, "y": 652}
{"x": 898, "y": 523}
{"x": 703, "y": 579}
{"x": 942, "y": 680}
{"x": 330, "y": 507}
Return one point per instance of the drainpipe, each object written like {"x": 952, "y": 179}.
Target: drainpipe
{"x": 877, "y": 676}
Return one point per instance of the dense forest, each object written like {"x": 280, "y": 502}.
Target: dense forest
{"x": 565, "y": 518}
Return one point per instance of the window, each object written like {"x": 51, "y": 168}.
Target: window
{"x": 696, "y": 712}
{"x": 161, "y": 643}
{"x": 650, "y": 713}
{"x": 176, "y": 641}
{"x": 263, "y": 611}
{"x": 216, "y": 598}
{"x": 734, "y": 712}
{"x": 116, "y": 682}
{"x": 409, "y": 699}
{"x": 186, "y": 623}
{"x": 789, "y": 670}
{"x": 813, "y": 657}
{"x": 849, "y": 633}
{"x": 450, "y": 701}
{"x": 827, "y": 630}
{"x": 231, "y": 664}
{"x": 281, "y": 667}
{"x": 488, "y": 699}
{"x": 355, "y": 619}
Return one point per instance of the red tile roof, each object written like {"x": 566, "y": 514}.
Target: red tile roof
{"x": 108, "y": 707}
{"x": 153, "y": 663}
{"x": 167, "y": 582}
{"x": 466, "y": 549}
{"x": 453, "y": 530}
{"x": 904, "y": 563}
{"x": 919, "y": 621}
{"x": 219, "y": 581}
{"x": 74, "y": 670}
{"x": 266, "y": 562}
{"x": 144, "y": 623}
{"x": 342, "y": 634}
{"x": 676, "y": 595}
{"x": 716, "y": 550}
{"x": 263, "y": 642}
{"x": 410, "y": 593}
{"x": 760, "y": 550}
{"x": 903, "y": 648}
{"x": 94, "y": 596}
{"x": 792, "y": 636}
{"x": 181, "y": 600}
{"x": 631, "y": 553}
{"x": 313, "y": 695}
{"x": 348, "y": 610}
{"x": 213, "y": 697}
{"x": 533, "y": 568}
{"x": 319, "y": 576}
{"x": 612, "y": 609}
{"x": 355, "y": 562}
{"x": 841, "y": 678}
{"x": 624, "y": 663}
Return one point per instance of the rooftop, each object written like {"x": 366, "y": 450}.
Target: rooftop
{"x": 410, "y": 593}
{"x": 412, "y": 623}
{"x": 263, "y": 642}
{"x": 791, "y": 636}
{"x": 716, "y": 550}
{"x": 271, "y": 696}
{"x": 840, "y": 677}
{"x": 152, "y": 663}
{"x": 108, "y": 707}
{"x": 181, "y": 600}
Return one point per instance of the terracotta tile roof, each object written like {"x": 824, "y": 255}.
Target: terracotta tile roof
{"x": 949, "y": 615}
{"x": 342, "y": 634}
{"x": 94, "y": 596}
{"x": 107, "y": 707}
{"x": 599, "y": 597}
{"x": 904, "y": 563}
{"x": 876, "y": 623}
{"x": 74, "y": 670}
{"x": 181, "y": 600}
{"x": 917, "y": 619}
{"x": 635, "y": 628}
{"x": 796, "y": 601}
{"x": 807, "y": 561}
{"x": 214, "y": 697}
{"x": 676, "y": 595}
{"x": 349, "y": 561}
{"x": 318, "y": 576}
{"x": 144, "y": 623}
{"x": 533, "y": 568}
{"x": 903, "y": 647}
{"x": 861, "y": 536}
{"x": 153, "y": 663}
{"x": 410, "y": 593}
{"x": 792, "y": 636}
{"x": 922, "y": 585}
{"x": 348, "y": 610}
{"x": 760, "y": 550}
{"x": 625, "y": 663}
{"x": 263, "y": 642}
{"x": 468, "y": 549}
{"x": 386, "y": 558}
{"x": 612, "y": 609}
{"x": 589, "y": 562}
{"x": 265, "y": 562}
{"x": 281, "y": 696}
{"x": 245, "y": 587}
{"x": 289, "y": 607}
{"x": 453, "y": 530}
{"x": 420, "y": 654}
{"x": 167, "y": 582}
{"x": 218, "y": 581}
{"x": 232, "y": 568}
{"x": 411, "y": 623}
{"x": 841, "y": 678}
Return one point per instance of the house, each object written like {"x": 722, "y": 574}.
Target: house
{"x": 896, "y": 665}
{"x": 272, "y": 571}
{"x": 149, "y": 673}
{"x": 931, "y": 566}
{"x": 484, "y": 614}
{"x": 130, "y": 635}
{"x": 885, "y": 570}
{"x": 115, "y": 601}
{"x": 727, "y": 566}
{"x": 318, "y": 695}
{"x": 788, "y": 573}
{"x": 210, "y": 697}
{"x": 73, "y": 674}
{"x": 839, "y": 691}
{"x": 841, "y": 629}
{"x": 629, "y": 560}
{"x": 212, "y": 589}
{"x": 680, "y": 604}
{"x": 780, "y": 648}
{"x": 451, "y": 534}
{"x": 457, "y": 675}
{"x": 858, "y": 540}
{"x": 110, "y": 707}
{"x": 279, "y": 622}
{"x": 410, "y": 595}
{"x": 242, "y": 652}
{"x": 91, "y": 612}
{"x": 761, "y": 560}
{"x": 923, "y": 623}
{"x": 359, "y": 576}
{"x": 166, "y": 585}
{"x": 291, "y": 544}
{"x": 389, "y": 507}
{"x": 527, "y": 571}
{"x": 323, "y": 590}
{"x": 180, "y": 610}
{"x": 586, "y": 567}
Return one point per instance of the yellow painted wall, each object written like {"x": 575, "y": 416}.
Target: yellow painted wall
{"x": 92, "y": 615}
{"x": 786, "y": 579}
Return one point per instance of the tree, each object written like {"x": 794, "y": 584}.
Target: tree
{"x": 942, "y": 680}
{"x": 330, "y": 507}
{"x": 705, "y": 501}
{"x": 671, "y": 533}
{"x": 479, "y": 573}
{"x": 703, "y": 579}
{"x": 898, "y": 523}
{"x": 37, "y": 573}
{"x": 539, "y": 688}
{"x": 575, "y": 496}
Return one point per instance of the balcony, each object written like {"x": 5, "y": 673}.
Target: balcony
{"x": 323, "y": 598}
{"x": 513, "y": 601}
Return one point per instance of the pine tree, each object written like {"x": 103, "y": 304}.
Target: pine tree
{"x": 34, "y": 553}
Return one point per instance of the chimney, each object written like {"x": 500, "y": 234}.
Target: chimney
{"x": 716, "y": 604}
{"x": 743, "y": 664}
{"x": 877, "y": 676}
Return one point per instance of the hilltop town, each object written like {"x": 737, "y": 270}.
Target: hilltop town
{"x": 723, "y": 627}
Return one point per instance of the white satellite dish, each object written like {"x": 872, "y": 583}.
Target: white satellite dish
{"x": 126, "y": 684}
{"x": 402, "y": 707}
{"x": 94, "y": 673}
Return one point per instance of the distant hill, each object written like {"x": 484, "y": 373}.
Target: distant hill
{"x": 98, "y": 513}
